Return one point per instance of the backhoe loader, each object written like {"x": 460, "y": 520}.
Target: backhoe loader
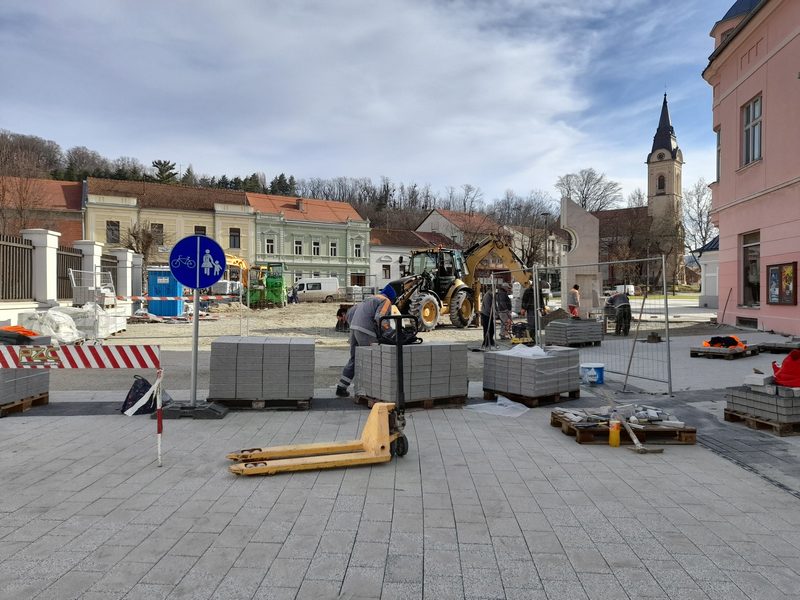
{"x": 443, "y": 281}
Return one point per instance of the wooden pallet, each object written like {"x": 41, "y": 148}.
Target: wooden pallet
{"x": 598, "y": 433}
{"x": 256, "y": 404}
{"x": 753, "y": 422}
{"x": 369, "y": 401}
{"x": 778, "y": 347}
{"x": 18, "y": 406}
{"x": 532, "y": 401}
{"x": 726, "y": 353}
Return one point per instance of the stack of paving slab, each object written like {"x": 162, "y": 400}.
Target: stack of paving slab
{"x": 261, "y": 368}
{"x": 761, "y": 397}
{"x": 354, "y": 294}
{"x": 557, "y": 372}
{"x": 565, "y": 332}
{"x": 18, "y": 384}
{"x": 430, "y": 371}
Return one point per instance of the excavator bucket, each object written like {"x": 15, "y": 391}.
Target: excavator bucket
{"x": 376, "y": 445}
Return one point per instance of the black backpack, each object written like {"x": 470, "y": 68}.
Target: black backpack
{"x": 139, "y": 389}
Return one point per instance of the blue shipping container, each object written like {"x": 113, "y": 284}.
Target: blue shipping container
{"x": 160, "y": 282}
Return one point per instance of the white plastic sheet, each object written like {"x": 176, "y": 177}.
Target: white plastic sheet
{"x": 502, "y": 408}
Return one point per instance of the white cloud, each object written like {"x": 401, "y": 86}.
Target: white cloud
{"x": 502, "y": 94}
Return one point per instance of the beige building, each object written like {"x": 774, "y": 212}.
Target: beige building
{"x": 171, "y": 212}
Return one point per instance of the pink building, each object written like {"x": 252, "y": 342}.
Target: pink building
{"x": 755, "y": 73}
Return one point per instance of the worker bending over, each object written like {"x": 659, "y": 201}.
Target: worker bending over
{"x": 364, "y": 320}
{"x": 622, "y": 303}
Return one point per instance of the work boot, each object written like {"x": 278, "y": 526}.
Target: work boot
{"x": 342, "y": 392}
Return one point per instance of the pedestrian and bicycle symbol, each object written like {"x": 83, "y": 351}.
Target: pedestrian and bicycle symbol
{"x": 197, "y": 261}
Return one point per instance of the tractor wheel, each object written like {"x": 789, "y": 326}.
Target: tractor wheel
{"x": 462, "y": 309}
{"x": 426, "y": 308}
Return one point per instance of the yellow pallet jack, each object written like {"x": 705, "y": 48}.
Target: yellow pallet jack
{"x": 381, "y": 439}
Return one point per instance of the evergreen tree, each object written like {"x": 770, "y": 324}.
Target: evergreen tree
{"x": 165, "y": 171}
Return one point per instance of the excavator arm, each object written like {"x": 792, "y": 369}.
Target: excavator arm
{"x": 476, "y": 253}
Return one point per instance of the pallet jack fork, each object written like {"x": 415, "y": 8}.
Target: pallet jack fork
{"x": 381, "y": 438}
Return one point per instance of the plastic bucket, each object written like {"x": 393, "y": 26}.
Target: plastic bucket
{"x": 593, "y": 373}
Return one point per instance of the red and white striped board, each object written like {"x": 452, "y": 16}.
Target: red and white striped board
{"x": 80, "y": 357}
{"x": 186, "y": 298}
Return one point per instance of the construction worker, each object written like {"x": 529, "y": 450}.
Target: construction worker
{"x": 574, "y": 300}
{"x": 622, "y": 304}
{"x": 529, "y": 306}
{"x": 487, "y": 320}
{"x": 364, "y": 320}
{"x": 504, "y": 310}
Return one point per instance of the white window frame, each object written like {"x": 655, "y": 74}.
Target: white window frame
{"x": 269, "y": 245}
{"x": 752, "y": 131}
{"x": 315, "y": 248}
{"x": 387, "y": 271}
{"x": 357, "y": 250}
{"x": 298, "y": 245}
{"x": 333, "y": 248}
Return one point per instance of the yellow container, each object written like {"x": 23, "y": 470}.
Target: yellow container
{"x": 613, "y": 434}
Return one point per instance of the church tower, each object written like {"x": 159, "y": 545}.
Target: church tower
{"x": 665, "y": 196}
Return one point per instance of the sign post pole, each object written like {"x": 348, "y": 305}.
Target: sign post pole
{"x": 197, "y": 262}
{"x": 195, "y": 344}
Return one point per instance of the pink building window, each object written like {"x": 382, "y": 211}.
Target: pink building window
{"x": 751, "y": 265}
{"x": 751, "y": 134}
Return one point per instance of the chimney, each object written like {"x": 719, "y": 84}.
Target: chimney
{"x": 300, "y": 205}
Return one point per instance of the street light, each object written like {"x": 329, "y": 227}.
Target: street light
{"x": 546, "y": 216}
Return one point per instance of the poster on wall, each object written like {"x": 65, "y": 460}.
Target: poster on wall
{"x": 782, "y": 284}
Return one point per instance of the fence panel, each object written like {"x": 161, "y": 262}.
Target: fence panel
{"x": 68, "y": 258}
{"x": 16, "y": 268}
{"x": 108, "y": 262}
{"x": 628, "y": 348}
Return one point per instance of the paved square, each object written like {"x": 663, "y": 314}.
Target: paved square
{"x": 481, "y": 507}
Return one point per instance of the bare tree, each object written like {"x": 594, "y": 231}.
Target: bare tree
{"x": 590, "y": 189}
{"x": 140, "y": 238}
{"x": 530, "y": 218}
{"x": 697, "y": 216}
{"x": 637, "y": 198}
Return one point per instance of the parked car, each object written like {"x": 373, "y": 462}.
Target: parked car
{"x": 317, "y": 289}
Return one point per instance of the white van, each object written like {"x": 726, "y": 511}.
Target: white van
{"x": 317, "y": 289}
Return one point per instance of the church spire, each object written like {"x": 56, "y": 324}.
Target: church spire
{"x": 665, "y": 134}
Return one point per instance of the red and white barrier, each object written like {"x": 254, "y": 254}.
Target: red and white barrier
{"x": 92, "y": 357}
{"x": 80, "y": 357}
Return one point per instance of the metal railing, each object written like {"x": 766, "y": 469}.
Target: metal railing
{"x": 16, "y": 268}
{"x": 108, "y": 262}
{"x": 68, "y": 258}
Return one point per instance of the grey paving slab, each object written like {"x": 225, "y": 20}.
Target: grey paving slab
{"x": 481, "y": 507}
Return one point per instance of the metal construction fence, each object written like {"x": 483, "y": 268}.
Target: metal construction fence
{"x": 67, "y": 258}
{"x": 16, "y": 268}
{"x": 635, "y": 347}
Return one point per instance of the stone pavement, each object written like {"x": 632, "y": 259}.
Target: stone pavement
{"x": 481, "y": 507}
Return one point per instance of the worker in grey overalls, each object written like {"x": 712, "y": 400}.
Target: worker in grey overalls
{"x": 364, "y": 320}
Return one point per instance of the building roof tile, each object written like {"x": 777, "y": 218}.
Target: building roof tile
{"x": 47, "y": 193}
{"x": 304, "y": 209}
{"x": 163, "y": 195}
{"x": 473, "y": 222}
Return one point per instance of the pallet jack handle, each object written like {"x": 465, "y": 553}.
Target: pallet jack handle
{"x": 398, "y": 325}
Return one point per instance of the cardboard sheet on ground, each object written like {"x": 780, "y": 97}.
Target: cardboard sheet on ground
{"x": 502, "y": 408}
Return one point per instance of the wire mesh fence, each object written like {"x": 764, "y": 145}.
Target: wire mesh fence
{"x": 616, "y": 312}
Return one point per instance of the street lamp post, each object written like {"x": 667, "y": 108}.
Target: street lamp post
{"x": 546, "y": 216}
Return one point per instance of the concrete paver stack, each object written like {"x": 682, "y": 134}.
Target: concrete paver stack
{"x": 565, "y": 332}
{"x": 533, "y": 376}
{"x": 430, "y": 372}
{"x": 261, "y": 369}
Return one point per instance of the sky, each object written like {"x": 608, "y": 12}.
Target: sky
{"x": 499, "y": 94}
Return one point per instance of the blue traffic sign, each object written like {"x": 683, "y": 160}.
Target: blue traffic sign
{"x": 197, "y": 261}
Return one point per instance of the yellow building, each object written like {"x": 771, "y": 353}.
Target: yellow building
{"x": 114, "y": 209}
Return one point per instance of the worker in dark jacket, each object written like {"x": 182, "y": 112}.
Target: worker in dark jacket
{"x": 504, "y": 310}
{"x": 364, "y": 320}
{"x": 529, "y": 306}
{"x": 487, "y": 320}
{"x": 622, "y": 304}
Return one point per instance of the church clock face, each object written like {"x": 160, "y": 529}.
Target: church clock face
{"x": 660, "y": 156}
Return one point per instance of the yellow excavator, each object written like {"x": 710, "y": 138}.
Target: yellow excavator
{"x": 443, "y": 281}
